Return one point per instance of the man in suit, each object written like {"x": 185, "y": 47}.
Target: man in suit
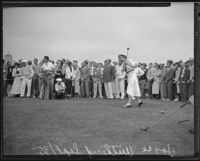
{"x": 184, "y": 77}
{"x": 91, "y": 67}
{"x": 107, "y": 78}
{"x": 150, "y": 80}
{"x": 168, "y": 80}
{"x": 85, "y": 73}
{"x": 97, "y": 79}
{"x": 119, "y": 79}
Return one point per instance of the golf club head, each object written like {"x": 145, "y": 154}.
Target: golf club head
{"x": 144, "y": 128}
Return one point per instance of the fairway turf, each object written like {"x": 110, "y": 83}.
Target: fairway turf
{"x": 30, "y": 123}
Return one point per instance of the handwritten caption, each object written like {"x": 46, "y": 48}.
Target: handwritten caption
{"x": 105, "y": 149}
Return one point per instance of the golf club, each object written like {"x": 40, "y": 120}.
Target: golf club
{"x": 142, "y": 128}
{"x": 183, "y": 121}
{"x": 127, "y": 52}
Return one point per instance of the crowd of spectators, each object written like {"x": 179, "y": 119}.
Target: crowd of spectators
{"x": 63, "y": 79}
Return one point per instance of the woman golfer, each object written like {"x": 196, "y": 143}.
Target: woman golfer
{"x": 132, "y": 72}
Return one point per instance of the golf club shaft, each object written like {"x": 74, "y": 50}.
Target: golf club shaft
{"x": 154, "y": 123}
{"x": 183, "y": 121}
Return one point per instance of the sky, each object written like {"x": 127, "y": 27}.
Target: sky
{"x": 153, "y": 34}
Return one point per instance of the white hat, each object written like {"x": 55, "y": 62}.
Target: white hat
{"x": 24, "y": 61}
{"x": 59, "y": 79}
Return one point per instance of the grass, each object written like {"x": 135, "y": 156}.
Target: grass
{"x": 31, "y": 123}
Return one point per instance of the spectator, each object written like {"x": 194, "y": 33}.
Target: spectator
{"x": 59, "y": 89}
{"x": 4, "y": 79}
{"x": 76, "y": 79}
{"x": 58, "y": 72}
{"x": 156, "y": 82}
{"x": 113, "y": 82}
{"x": 85, "y": 73}
{"x": 107, "y": 78}
{"x": 191, "y": 80}
{"x": 119, "y": 79}
{"x": 16, "y": 87}
{"x": 150, "y": 80}
{"x": 163, "y": 94}
{"x": 91, "y": 67}
{"x": 102, "y": 83}
{"x": 68, "y": 72}
{"x": 143, "y": 80}
{"x": 35, "y": 82}
{"x": 176, "y": 81}
{"x": 184, "y": 77}
{"x": 46, "y": 71}
{"x": 97, "y": 80}
{"x": 168, "y": 80}
{"x": 9, "y": 78}
{"x": 27, "y": 74}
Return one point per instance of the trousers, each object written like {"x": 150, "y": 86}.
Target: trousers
{"x": 120, "y": 83}
{"x": 96, "y": 84}
{"x": 26, "y": 82}
{"x": 108, "y": 89}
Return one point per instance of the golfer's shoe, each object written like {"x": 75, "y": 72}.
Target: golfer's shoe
{"x": 126, "y": 106}
{"x": 139, "y": 104}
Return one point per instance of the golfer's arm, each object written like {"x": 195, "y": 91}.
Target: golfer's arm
{"x": 130, "y": 64}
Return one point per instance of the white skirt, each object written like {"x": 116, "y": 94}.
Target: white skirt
{"x": 133, "y": 88}
{"x": 16, "y": 87}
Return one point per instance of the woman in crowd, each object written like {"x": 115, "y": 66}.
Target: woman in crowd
{"x": 16, "y": 87}
{"x": 9, "y": 78}
{"x": 156, "y": 82}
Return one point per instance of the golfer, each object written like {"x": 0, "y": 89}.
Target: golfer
{"x": 133, "y": 89}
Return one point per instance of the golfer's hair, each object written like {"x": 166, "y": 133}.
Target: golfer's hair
{"x": 46, "y": 57}
{"x": 122, "y": 55}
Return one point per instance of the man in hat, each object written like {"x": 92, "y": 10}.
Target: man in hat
{"x": 27, "y": 74}
{"x": 59, "y": 88}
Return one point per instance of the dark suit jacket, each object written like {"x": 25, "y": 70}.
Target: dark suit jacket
{"x": 85, "y": 72}
{"x": 169, "y": 76}
{"x": 186, "y": 75}
{"x": 108, "y": 74}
